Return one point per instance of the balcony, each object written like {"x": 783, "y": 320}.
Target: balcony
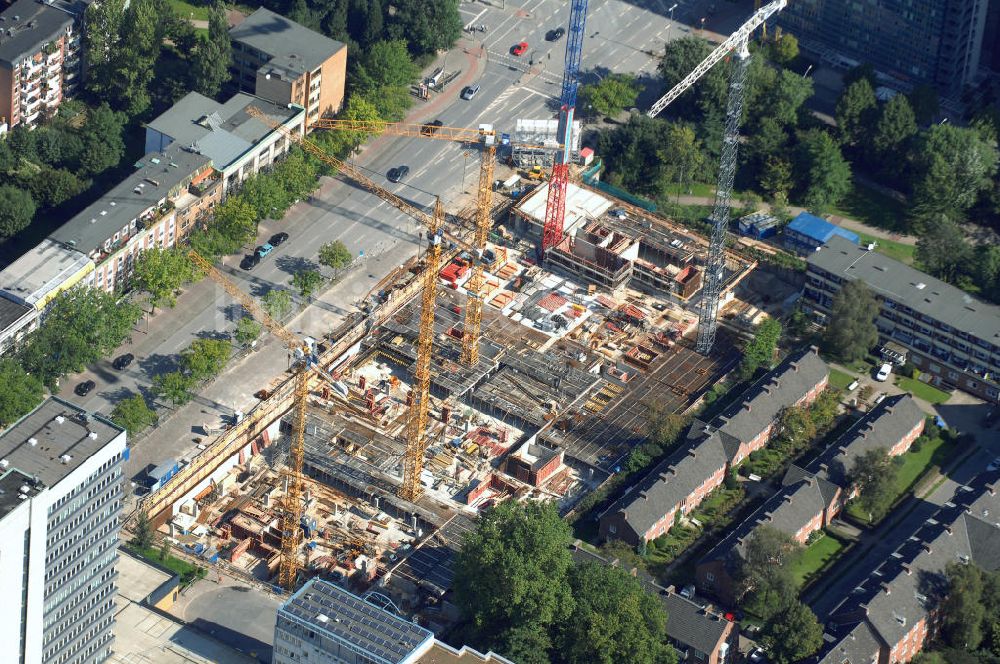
{"x": 150, "y": 218}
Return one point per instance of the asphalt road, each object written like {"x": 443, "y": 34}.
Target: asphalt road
{"x": 621, "y": 36}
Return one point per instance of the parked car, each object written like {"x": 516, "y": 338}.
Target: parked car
{"x": 618, "y": 213}
{"x": 277, "y": 239}
{"x": 431, "y": 128}
{"x": 122, "y": 361}
{"x": 883, "y": 373}
{"x": 519, "y": 49}
{"x": 264, "y": 249}
{"x": 250, "y": 262}
{"x": 687, "y": 591}
{"x": 555, "y": 35}
{"x": 84, "y": 388}
{"x": 470, "y": 91}
{"x": 398, "y": 173}
{"x": 757, "y": 656}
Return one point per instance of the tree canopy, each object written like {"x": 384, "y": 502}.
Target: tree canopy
{"x": 759, "y": 351}
{"x": 952, "y": 166}
{"x": 17, "y": 209}
{"x": 793, "y": 634}
{"x": 426, "y": 25}
{"x": 133, "y": 414}
{"x": 307, "y": 281}
{"x": 161, "y": 273}
{"x": 335, "y": 255}
{"x": 850, "y": 330}
{"x": 826, "y": 177}
{"x": 874, "y": 475}
{"x": 210, "y": 67}
{"x": 857, "y": 109}
{"x": 611, "y": 95}
{"x": 20, "y": 392}
{"x": 206, "y": 358}
{"x": 766, "y": 584}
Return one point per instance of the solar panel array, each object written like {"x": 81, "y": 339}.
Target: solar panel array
{"x": 371, "y": 630}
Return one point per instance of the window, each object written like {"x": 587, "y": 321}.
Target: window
{"x": 612, "y": 529}
{"x": 709, "y": 577}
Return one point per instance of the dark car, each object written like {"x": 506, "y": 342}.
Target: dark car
{"x": 122, "y": 361}
{"x": 84, "y": 388}
{"x": 555, "y": 35}
{"x": 398, "y": 173}
{"x": 277, "y": 239}
{"x": 431, "y": 128}
{"x": 249, "y": 262}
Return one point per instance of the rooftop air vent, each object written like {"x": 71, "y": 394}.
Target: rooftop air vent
{"x": 322, "y": 619}
{"x": 92, "y": 435}
{"x": 59, "y": 419}
{"x": 4, "y": 463}
{"x": 65, "y": 459}
{"x": 921, "y": 286}
{"x": 32, "y": 441}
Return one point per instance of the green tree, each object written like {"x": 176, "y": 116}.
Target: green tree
{"x": 385, "y": 64}
{"x": 7, "y": 159}
{"x": 759, "y": 351}
{"x": 874, "y": 474}
{"x": 793, "y": 635}
{"x": 682, "y": 157}
{"x": 611, "y": 95}
{"x": 277, "y": 303}
{"x": 133, "y": 57}
{"x": 20, "y": 392}
{"x": 943, "y": 251}
{"x": 614, "y": 620}
{"x": 236, "y": 220}
{"x": 247, "y": 331}
{"x": 426, "y": 25}
{"x": 164, "y": 550}
{"x": 769, "y": 141}
{"x": 682, "y": 55}
{"x": 206, "y": 358}
{"x": 785, "y": 48}
{"x": 82, "y": 325}
{"x": 161, "y": 273}
{"x": 856, "y": 112}
{"x": 895, "y": 128}
{"x": 104, "y": 24}
{"x": 54, "y": 186}
{"x": 765, "y": 583}
{"x": 850, "y": 330}
{"x": 785, "y": 96}
{"x": 17, "y": 209}
{"x": 210, "y": 67}
{"x": 335, "y": 255}
{"x": 529, "y": 543}
{"x": 925, "y": 103}
{"x": 526, "y": 644}
{"x": 133, "y": 414}
{"x": 826, "y": 176}
{"x": 962, "y": 607}
{"x": 307, "y": 281}
{"x": 143, "y": 536}
{"x": 343, "y": 142}
{"x": 952, "y": 166}
{"x": 103, "y": 139}
{"x": 776, "y": 177}
{"x": 174, "y": 386}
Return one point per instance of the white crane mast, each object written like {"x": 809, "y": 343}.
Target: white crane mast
{"x": 736, "y": 42}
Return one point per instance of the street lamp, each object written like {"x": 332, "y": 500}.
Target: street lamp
{"x": 671, "y": 23}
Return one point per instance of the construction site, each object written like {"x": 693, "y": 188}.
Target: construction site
{"x": 475, "y": 374}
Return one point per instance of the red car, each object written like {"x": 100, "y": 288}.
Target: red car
{"x": 519, "y": 49}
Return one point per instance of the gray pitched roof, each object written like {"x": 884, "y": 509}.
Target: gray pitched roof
{"x": 37, "y": 24}
{"x": 796, "y": 474}
{"x": 222, "y": 132}
{"x": 291, "y": 46}
{"x": 11, "y": 312}
{"x": 856, "y": 646}
{"x": 158, "y": 177}
{"x": 883, "y": 426}
{"x": 671, "y": 481}
{"x": 782, "y": 386}
{"x": 687, "y": 622}
{"x": 901, "y": 283}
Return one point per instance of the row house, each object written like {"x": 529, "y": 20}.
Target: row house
{"x": 679, "y": 483}
{"x": 39, "y": 61}
{"x": 949, "y": 335}
{"x": 699, "y": 634}
{"x": 812, "y": 496}
{"x": 237, "y": 144}
{"x": 156, "y": 206}
{"x": 895, "y": 608}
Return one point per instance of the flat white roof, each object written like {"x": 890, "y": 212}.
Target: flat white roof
{"x": 581, "y": 206}
{"x": 137, "y": 578}
{"x": 42, "y": 270}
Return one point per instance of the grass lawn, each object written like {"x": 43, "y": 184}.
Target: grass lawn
{"x": 895, "y": 250}
{"x": 189, "y": 11}
{"x": 922, "y": 390}
{"x": 186, "y": 570}
{"x": 816, "y": 555}
{"x": 840, "y": 379}
{"x": 873, "y": 208}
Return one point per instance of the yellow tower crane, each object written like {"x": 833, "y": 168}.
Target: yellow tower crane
{"x": 484, "y": 202}
{"x": 291, "y": 506}
{"x": 416, "y": 424}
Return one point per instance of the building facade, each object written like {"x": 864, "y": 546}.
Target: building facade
{"x": 806, "y": 233}
{"x": 950, "y": 336}
{"x": 39, "y": 61}
{"x": 236, "y": 144}
{"x": 286, "y": 63}
{"x": 912, "y": 41}
{"x": 156, "y": 206}
{"x": 59, "y": 521}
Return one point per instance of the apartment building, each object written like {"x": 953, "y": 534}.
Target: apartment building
{"x": 324, "y": 624}
{"x": 61, "y": 481}
{"x": 236, "y": 144}
{"x": 699, "y": 633}
{"x": 812, "y": 496}
{"x": 286, "y": 63}
{"x": 39, "y": 61}
{"x": 892, "y": 614}
{"x": 951, "y": 336}
{"x": 16, "y": 321}
{"x": 156, "y": 206}
{"x": 681, "y": 481}
{"x": 912, "y": 41}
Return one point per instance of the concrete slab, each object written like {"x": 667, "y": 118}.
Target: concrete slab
{"x": 143, "y": 636}
{"x": 136, "y": 579}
